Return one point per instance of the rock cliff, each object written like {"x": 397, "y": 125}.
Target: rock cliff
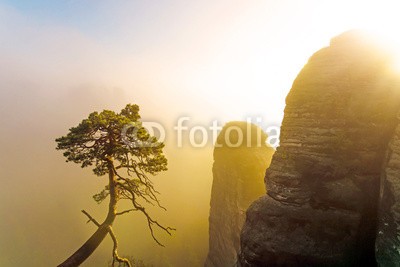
{"x": 238, "y": 174}
{"x": 321, "y": 206}
{"x": 388, "y": 234}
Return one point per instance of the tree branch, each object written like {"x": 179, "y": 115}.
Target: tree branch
{"x": 125, "y": 211}
{"x": 91, "y": 219}
{"x": 145, "y": 182}
{"x": 150, "y": 223}
{"x": 116, "y": 257}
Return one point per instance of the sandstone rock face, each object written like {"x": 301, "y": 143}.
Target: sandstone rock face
{"x": 388, "y": 238}
{"x": 238, "y": 174}
{"x": 324, "y": 179}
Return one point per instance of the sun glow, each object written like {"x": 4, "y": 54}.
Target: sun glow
{"x": 392, "y": 42}
{"x": 379, "y": 18}
{"x": 265, "y": 61}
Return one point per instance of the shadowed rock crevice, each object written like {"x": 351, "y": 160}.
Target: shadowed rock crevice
{"x": 321, "y": 206}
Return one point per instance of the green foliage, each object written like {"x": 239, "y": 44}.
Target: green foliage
{"x": 101, "y": 196}
{"x": 101, "y": 136}
{"x": 120, "y": 139}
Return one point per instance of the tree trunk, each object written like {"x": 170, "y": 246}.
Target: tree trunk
{"x": 86, "y": 249}
{"x": 95, "y": 240}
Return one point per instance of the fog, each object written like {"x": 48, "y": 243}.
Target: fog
{"x": 44, "y": 93}
{"x": 42, "y": 196}
{"x": 208, "y": 60}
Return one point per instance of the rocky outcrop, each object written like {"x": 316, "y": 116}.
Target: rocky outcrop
{"x": 388, "y": 238}
{"x": 239, "y": 167}
{"x": 324, "y": 179}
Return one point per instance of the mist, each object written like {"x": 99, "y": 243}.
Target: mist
{"x": 208, "y": 61}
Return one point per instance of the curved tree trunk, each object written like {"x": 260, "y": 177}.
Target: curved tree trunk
{"x": 86, "y": 249}
{"x": 95, "y": 240}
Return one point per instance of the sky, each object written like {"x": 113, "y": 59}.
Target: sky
{"x": 208, "y": 60}
{"x": 237, "y": 58}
